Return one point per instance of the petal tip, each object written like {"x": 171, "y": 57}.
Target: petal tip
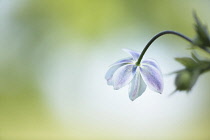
{"x": 160, "y": 91}
{"x": 132, "y": 99}
{"x": 135, "y": 55}
{"x": 116, "y": 88}
{"x": 125, "y": 49}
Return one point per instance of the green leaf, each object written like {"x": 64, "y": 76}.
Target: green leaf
{"x": 202, "y": 38}
{"x": 201, "y": 52}
{"x": 195, "y": 57}
{"x": 187, "y": 62}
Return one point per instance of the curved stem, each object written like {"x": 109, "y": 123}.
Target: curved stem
{"x": 157, "y": 36}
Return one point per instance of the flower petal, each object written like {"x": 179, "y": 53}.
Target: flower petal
{"x": 134, "y": 54}
{"x": 151, "y": 62}
{"x": 123, "y": 76}
{"x": 152, "y": 77}
{"x": 137, "y": 86}
{"x": 111, "y": 72}
{"x": 123, "y": 61}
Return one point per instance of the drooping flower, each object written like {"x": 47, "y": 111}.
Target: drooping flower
{"x": 126, "y": 71}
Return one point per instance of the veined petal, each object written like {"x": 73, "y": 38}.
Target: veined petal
{"x": 123, "y": 61}
{"x": 151, "y": 62}
{"x": 137, "y": 86}
{"x": 111, "y": 72}
{"x": 134, "y": 54}
{"x": 123, "y": 76}
{"x": 152, "y": 77}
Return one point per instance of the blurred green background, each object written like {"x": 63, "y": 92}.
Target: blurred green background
{"x": 53, "y": 58}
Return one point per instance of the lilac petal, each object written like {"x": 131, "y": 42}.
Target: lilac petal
{"x": 137, "y": 86}
{"x": 123, "y": 76}
{"x": 111, "y": 72}
{"x": 123, "y": 61}
{"x": 152, "y": 77}
{"x": 134, "y": 54}
{"x": 150, "y": 62}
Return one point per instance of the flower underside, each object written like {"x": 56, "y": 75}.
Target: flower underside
{"x": 125, "y": 71}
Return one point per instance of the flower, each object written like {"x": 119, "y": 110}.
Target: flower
{"x": 126, "y": 71}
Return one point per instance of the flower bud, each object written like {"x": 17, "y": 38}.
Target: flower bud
{"x": 186, "y": 79}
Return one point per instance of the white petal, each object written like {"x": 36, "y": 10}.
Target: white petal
{"x": 123, "y": 76}
{"x": 111, "y": 72}
{"x": 123, "y": 61}
{"x": 137, "y": 86}
{"x": 152, "y": 77}
{"x": 151, "y": 62}
{"x": 134, "y": 54}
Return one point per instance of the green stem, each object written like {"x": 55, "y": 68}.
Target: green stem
{"x": 157, "y": 36}
{"x": 205, "y": 69}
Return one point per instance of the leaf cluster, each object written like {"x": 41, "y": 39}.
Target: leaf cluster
{"x": 187, "y": 77}
{"x": 200, "y": 60}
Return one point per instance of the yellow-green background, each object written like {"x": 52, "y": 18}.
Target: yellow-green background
{"x": 53, "y": 58}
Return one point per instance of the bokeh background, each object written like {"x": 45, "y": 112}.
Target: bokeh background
{"x": 54, "y": 55}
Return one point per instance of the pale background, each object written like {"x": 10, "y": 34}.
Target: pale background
{"x": 54, "y": 55}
